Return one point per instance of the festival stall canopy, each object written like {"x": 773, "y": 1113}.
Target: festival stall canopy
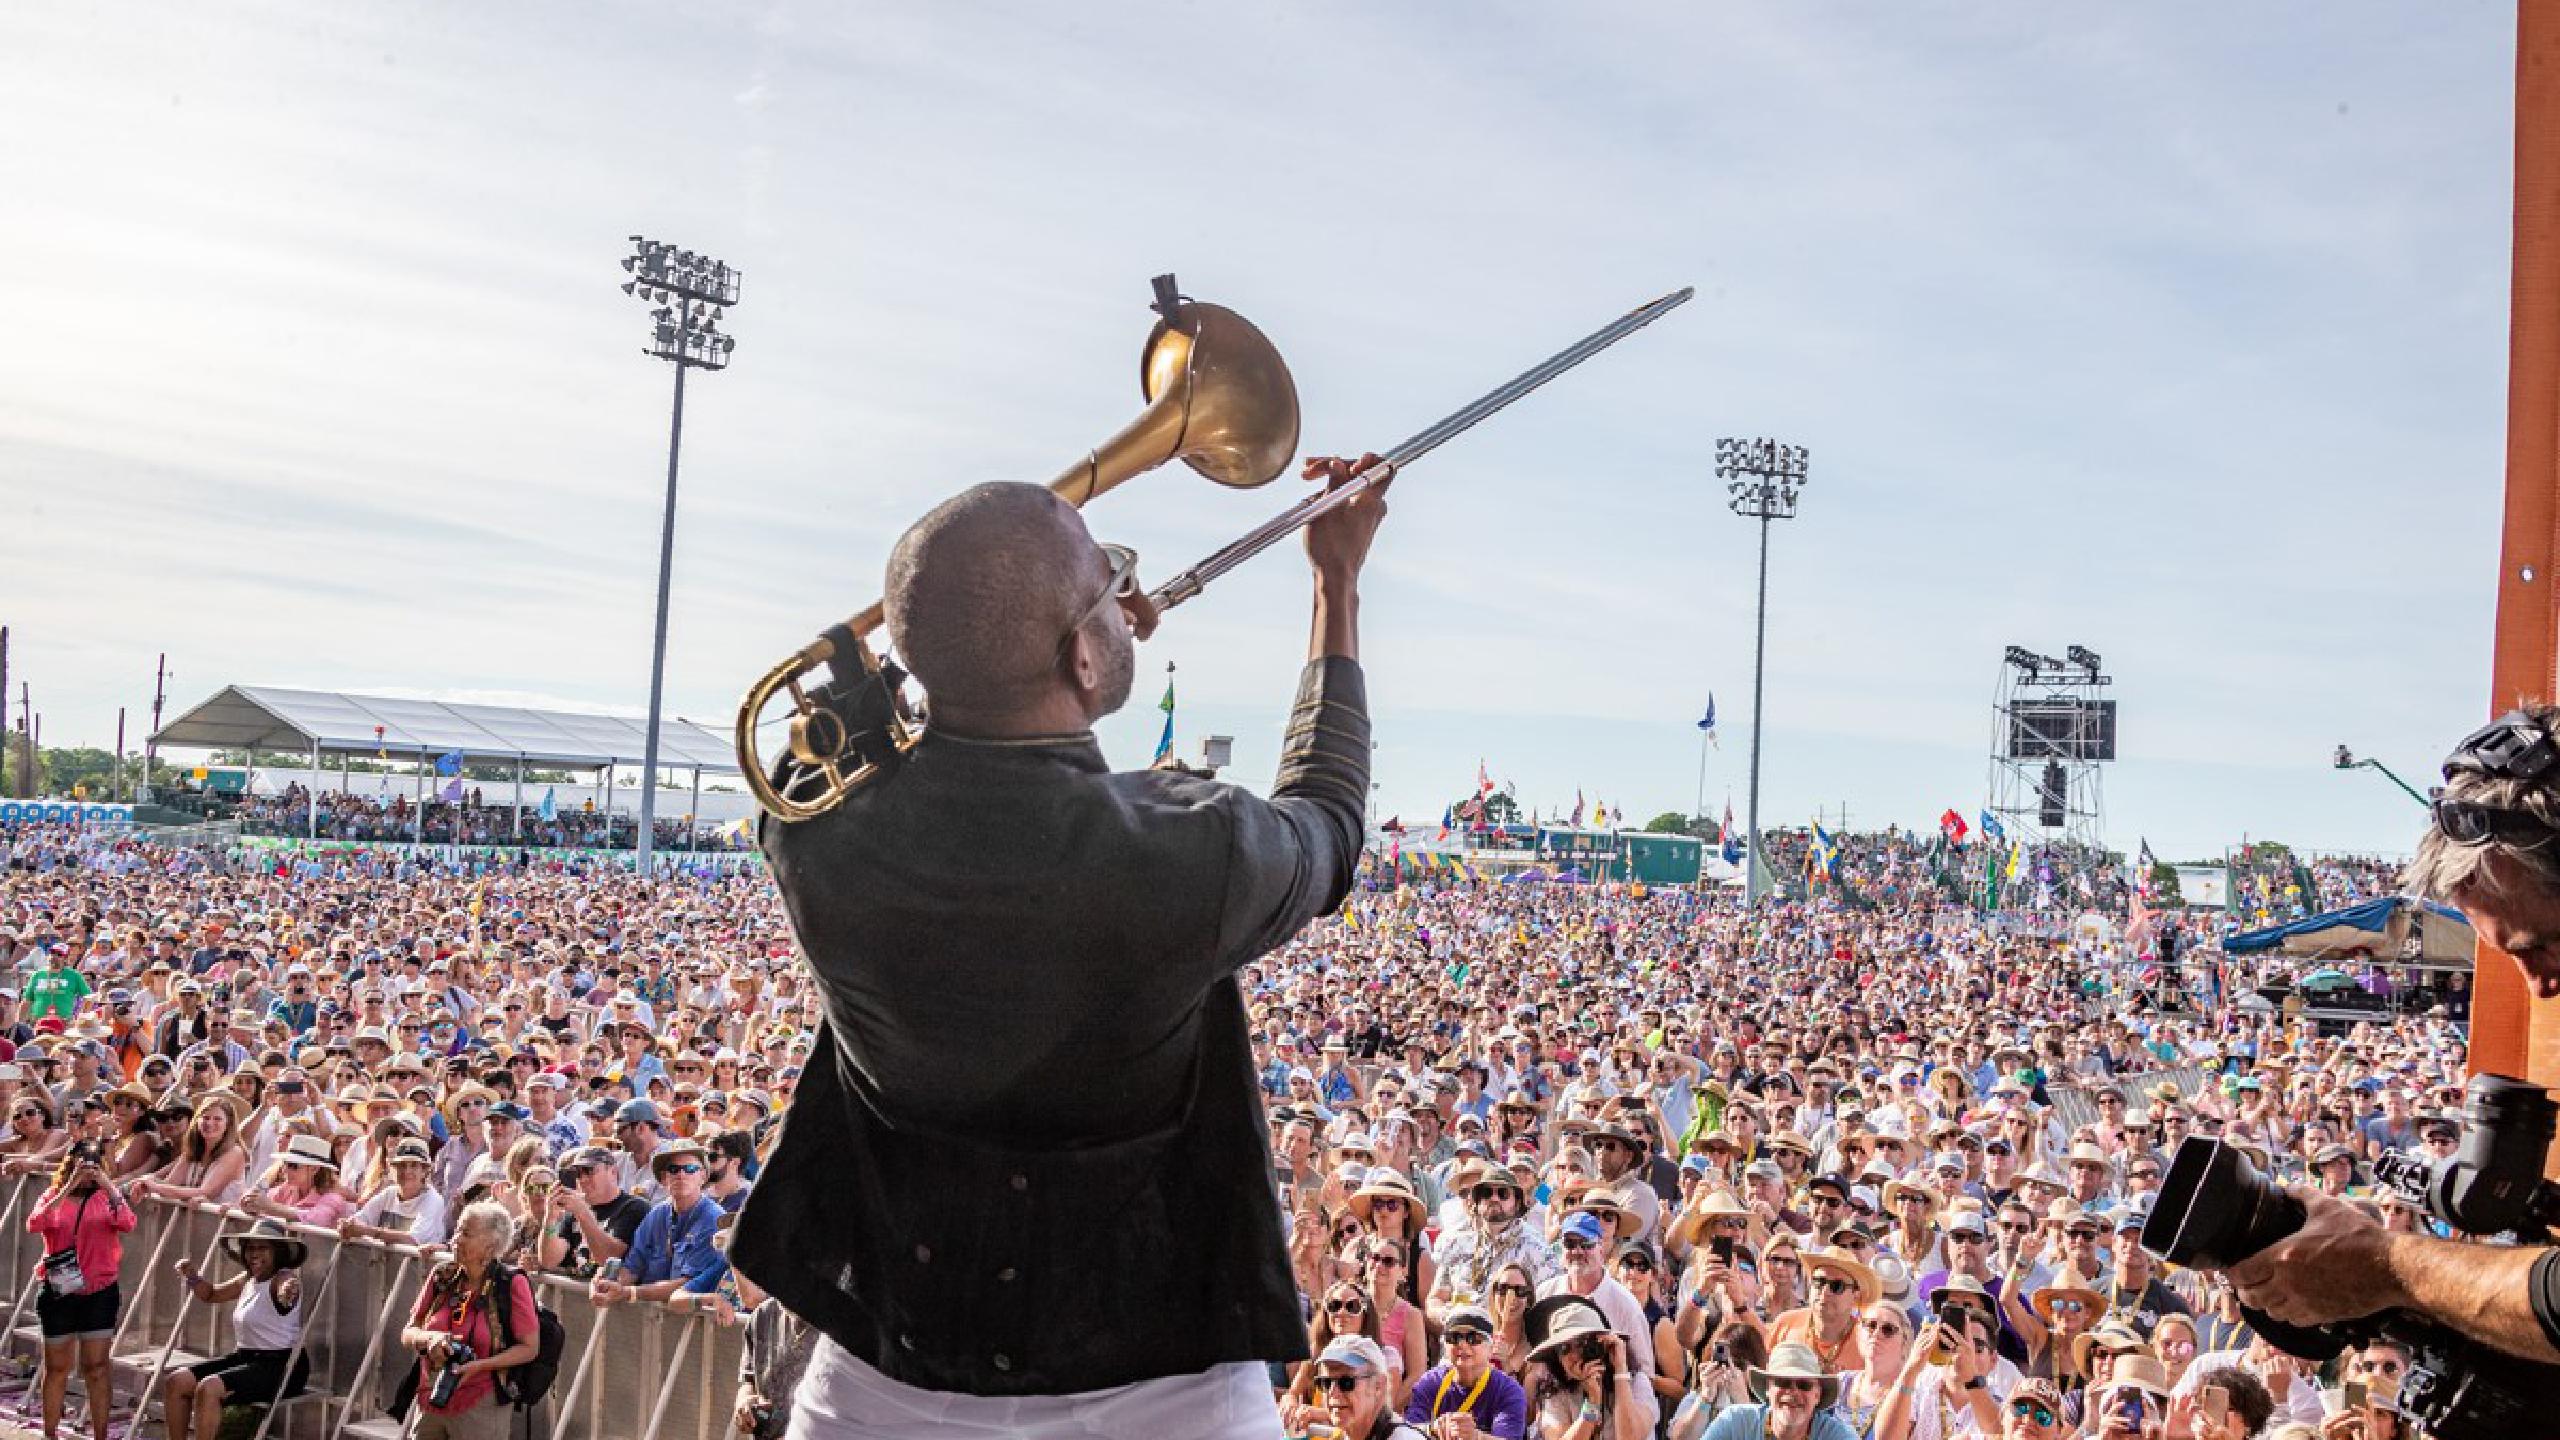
{"x": 267, "y": 717}
{"x": 2379, "y": 926}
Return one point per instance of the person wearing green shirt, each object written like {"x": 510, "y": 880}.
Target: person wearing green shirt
{"x": 55, "y": 991}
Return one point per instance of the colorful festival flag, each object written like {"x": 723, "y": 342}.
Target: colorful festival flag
{"x": 1164, "y": 746}
{"x": 449, "y": 763}
{"x": 1952, "y": 826}
{"x": 1576, "y": 822}
{"x": 550, "y": 803}
{"x": 1992, "y": 829}
{"x": 1708, "y": 722}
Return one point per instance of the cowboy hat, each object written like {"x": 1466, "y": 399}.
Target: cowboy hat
{"x": 290, "y": 1253}
{"x": 1818, "y": 1258}
{"x": 1593, "y": 1198}
{"x": 1795, "y": 1362}
{"x": 1558, "y": 1321}
{"x": 2090, "y": 1301}
{"x": 2118, "y": 1336}
{"x": 1897, "y": 1191}
{"x": 1962, "y": 1288}
{"x": 677, "y": 1149}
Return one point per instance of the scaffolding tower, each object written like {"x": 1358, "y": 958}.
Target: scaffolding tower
{"x": 2053, "y": 726}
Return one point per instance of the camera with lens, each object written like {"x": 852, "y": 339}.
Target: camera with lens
{"x": 2215, "y": 1210}
{"x": 449, "y": 1379}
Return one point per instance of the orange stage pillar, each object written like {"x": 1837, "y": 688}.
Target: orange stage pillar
{"x": 2510, "y": 1033}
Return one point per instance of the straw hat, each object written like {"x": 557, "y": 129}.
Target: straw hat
{"x": 2114, "y": 1335}
{"x": 1597, "y": 1199}
{"x": 2139, "y": 1371}
{"x": 1897, "y": 1191}
{"x": 1818, "y": 1259}
{"x": 2085, "y": 1153}
{"x": 308, "y": 1150}
{"x": 1387, "y": 1185}
{"x": 2043, "y": 1301}
{"x": 1795, "y": 1362}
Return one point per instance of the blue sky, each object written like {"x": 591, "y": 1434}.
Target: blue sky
{"x": 2171, "y": 330}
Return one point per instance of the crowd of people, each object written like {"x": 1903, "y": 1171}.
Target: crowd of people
{"x": 470, "y": 821}
{"x": 1568, "y": 1161}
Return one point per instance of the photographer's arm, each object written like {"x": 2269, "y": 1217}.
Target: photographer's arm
{"x": 2341, "y": 1265}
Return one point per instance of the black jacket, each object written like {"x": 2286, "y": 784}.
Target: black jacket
{"x": 1028, "y": 1155}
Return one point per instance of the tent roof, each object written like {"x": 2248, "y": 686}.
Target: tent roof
{"x": 270, "y": 717}
{"x": 2445, "y": 937}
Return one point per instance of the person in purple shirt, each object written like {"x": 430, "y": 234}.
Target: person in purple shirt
{"x": 1469, "y": 1384}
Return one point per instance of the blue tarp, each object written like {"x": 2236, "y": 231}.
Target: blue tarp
{"x": 2371, "y": 924}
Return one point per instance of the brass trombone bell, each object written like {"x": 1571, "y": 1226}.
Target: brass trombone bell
{"x": 1219, "y": 399}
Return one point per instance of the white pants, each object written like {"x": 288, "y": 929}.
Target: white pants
{"x": 841, "y": 1398}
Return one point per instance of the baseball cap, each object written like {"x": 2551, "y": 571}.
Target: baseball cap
{"x": 1355, "y": 1352}
{"x": 640, "y": 1112}
{"x": 1583, "y": 1225}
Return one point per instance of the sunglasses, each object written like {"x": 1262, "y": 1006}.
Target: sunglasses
{"x": 1339, "y": 1384}
{"x": 1517, "y": 1292}
{"x": 1121, "y": 585}
{"x": 1833, "y": 1285}
{"x": 1881, "y": 1327}
{"x": 1345, "y": 1306}
{"x": 684, "y": 1168}
{"x": 1576, "y": 1243}
{"x": 1465, "y": 1337}
{"x": 2034, "y": 1412}
{"x": 1635, "y": 1262}
{"x": 1794, "y": 1386}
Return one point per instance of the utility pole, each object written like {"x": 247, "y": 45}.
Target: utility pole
{"x": 151, "y": 744}
{"x": 118, "y": 788}
{"x": 1766, "y": 478}
{"x": 4, "y": 702}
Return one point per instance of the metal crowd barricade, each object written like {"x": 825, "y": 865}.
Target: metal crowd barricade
{"x": 632, "y": 1372}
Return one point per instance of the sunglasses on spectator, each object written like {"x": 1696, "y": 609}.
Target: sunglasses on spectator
{"x": 1465, "y": 1337}
{"x": 1345, "y": 1306}
{"x": 1517, "y": 1292}
{"x": 1833, "y": 1285}
{"x": 1339, "y": 1384}
{"x": 1576, "y": 1243}
{"x": 686, "y": 1167}
{"x": 1636, "y": 1262}
{"x": 1881, "y": 1327}
{"x": 1794, "y": 1386}
{"x": 2034, "y": 1412}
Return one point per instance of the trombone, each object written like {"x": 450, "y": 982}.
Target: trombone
{"x": 1219, "y": 399}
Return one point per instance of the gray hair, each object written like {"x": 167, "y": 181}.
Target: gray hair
{"x": 2445, "y": 868}
{"x": 488, "y": 1216}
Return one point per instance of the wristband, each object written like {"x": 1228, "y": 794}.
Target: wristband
{"x": 1975, "y": 1383}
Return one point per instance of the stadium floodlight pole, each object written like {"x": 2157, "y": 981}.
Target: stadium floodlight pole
{"x": 692, "y": 293}
{"x": 1764, "y": 480}
{"x": 2346, "y": 760}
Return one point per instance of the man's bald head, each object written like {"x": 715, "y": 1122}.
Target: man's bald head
{"x": 980, "y": 593}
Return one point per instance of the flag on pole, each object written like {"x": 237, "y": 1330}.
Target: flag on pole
{"x": 1576, "y": 822}
{"x": 550, "y": 803}
{"x": 452, "y": 792}
{"x": 1484, "y": 781}
{"x": 1448, "y": 816}
{"x": 1952, "y": 826}
{"x": 449, "y": 763}
{"x": 1822, "y": 860}
{"x": 1708, "y": 722}
{"x": 1164, "y": 746}
{"x": 1992, "y": 829}
{"x": 1732, "y": 849}
{"x": 2017, "y": 858}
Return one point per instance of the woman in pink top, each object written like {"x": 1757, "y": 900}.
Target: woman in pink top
{"x": 306, "y": 1191}
{"x": 82, "y": 1221}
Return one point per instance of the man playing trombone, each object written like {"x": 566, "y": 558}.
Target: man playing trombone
{"x": 1024, "y": 1187}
